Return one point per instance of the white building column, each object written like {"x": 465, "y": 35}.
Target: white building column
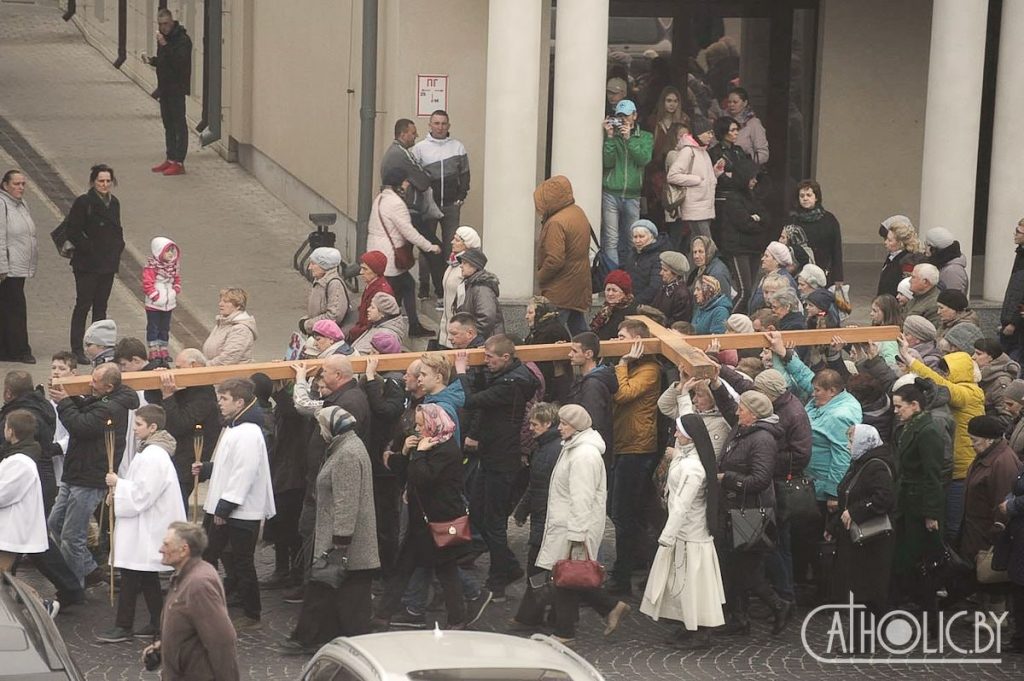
{"x": 956, "y": 65}
{"x": 581, "y": 58}
{"x": 510, "y": 147}
{"x": 1005, "y": 203}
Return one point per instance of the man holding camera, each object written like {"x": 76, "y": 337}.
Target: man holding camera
{"x": 627, "y": 150}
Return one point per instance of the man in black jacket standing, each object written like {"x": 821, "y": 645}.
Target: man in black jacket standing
{"x": 83, "y": 485}
{"x": 502, "y": 402}
{"x": 173, "y": 62}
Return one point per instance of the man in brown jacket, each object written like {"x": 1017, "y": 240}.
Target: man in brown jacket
{"x": 197, "y": 639}
{"x": 636, "y": 450}
{"x": 563, "y": 252}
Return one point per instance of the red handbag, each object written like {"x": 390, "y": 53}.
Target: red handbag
{"x": 448, "y": 532}
{"x": 578, "y": 574}
{"x": 404, "y": 258}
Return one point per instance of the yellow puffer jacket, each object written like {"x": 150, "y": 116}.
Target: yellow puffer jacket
{"x": 966, "y": 400}
{"x": 635, "y": 415}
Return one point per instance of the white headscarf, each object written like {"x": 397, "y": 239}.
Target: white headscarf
{"x": 865, "y": 438}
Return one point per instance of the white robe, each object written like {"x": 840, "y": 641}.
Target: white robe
{"x": 130, "y": 445}
{"x": 146, "y": 501}
{"x": 241, "y": 474}
{"x": 685, "y": 581}
{"x": 22, "y": 525}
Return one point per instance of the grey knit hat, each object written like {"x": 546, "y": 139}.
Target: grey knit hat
{"x": 758, "y": 403}
{"x": 385, "y": 304}
{"x": 102, "y": 333}
{"x": 919, "y": 327}
{"x": 771, "y": 383}
{"x": 1015, "y": 391}
{"x": 962, "y": 336}
{"x": 676, "y": 262}
{"x": 739, "y": 323}
{"x": 576, "y": 416}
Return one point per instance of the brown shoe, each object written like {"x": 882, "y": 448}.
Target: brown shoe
{"x": 95, "y": 578}
{"x": 615, "y": 617}
{"x": 244, "y": 623}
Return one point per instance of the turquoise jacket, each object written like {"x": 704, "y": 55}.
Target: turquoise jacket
{"x": 624, "y": 163}
{"x": 710, "y": 317}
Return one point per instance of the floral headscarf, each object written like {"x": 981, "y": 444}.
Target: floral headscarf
{"x": 865, "y": 438}
{"x": 709, "y": 287}
{"x": 437, "y": 425}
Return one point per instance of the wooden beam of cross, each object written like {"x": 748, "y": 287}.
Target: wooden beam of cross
{"x": 676, "y": 348}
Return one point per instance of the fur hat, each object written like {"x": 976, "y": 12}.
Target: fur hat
{"x": 676, "y": 262}
{"x": 376, "y": 261}
{"x": 919, "y": 327}
{"x": 758, "y": 403}
{"x": 576, "y": 416}
{"x": 781, "y": 253}
{"x": 621, "y": 279}
{"x": 102, "y": 333}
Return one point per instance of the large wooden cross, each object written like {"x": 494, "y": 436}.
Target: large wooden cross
{"x": 685, "y": 351}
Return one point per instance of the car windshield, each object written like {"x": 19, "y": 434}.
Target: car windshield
{"x": 489, "y": 674}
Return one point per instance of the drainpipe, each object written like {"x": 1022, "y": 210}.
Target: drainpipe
{"x": 122, "y": 33}
{"x": 367, "y": 119}
{"x": 70, "y": 11}
{"x": 209, "y": 127}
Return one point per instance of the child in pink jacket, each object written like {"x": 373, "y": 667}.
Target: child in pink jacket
{"x": 161, "y": 283}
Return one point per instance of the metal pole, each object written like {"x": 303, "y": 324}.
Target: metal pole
{"x": 122, "y": 33}
{"x": 70, "y": 11}
{"x": 212, "y": 76}
{"x": 367, "y": 120}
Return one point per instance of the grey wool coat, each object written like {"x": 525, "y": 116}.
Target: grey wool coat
{"x": 344, "y": 502}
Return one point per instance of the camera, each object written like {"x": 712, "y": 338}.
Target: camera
{"x": 614, "y": 121}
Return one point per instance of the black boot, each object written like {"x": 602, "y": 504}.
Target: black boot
{"x": 738, "y": 625}
{"x": 783, "y": 610}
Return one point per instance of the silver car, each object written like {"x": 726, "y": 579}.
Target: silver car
{"x": 447, "y": 656}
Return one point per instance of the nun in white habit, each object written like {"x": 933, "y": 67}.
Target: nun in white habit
{"x": 685, "y": 582}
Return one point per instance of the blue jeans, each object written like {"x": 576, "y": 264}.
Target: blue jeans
{"x": 954, "y": 509}
{"x": 617, "y": 217}
{"x": 69, "y": 521}
{"x": 631, "y": 478}
{"x": 779, "y": 563}
{"x": 574, "y": 320}
{"x": 158, "y": 327}
{"x": 418, "y": 588}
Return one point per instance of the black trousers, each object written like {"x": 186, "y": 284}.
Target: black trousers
{"x": 172, "y": 113}
{"x": 405, "y": 293}
{"x": 531, "y": 608}
{"x": 1017, "y": 606}
{"x": 744, "y": 270}
{"x": 387, "y": 502}
{"x": 447, "y": 574}
{"x": 283, "y": 529}
{"x": 489, "y": 502}
{"x": 134, "y": 582}
{"x": 92, "y": 291}
{"x": 51, "y": 564}
{"x": 328, "y": 613}
{"x": 567, "y": 607}
{"x": 13, "y": 319}
{"x": 241, "y": 541}
{"x": 742, "y": 574}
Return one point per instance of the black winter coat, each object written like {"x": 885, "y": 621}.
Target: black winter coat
{"x": 435, "y": 485}
{"x": 1010, "y": 547}
{"x": 185, "y": 409}
{"x": 867, "y": 491}
{"x": 46, "y": 422}
{"x": 94, "y": 229}
{"x": 535, "y": 500}
{"x": 645, "y": 271}
{"x": 734, "y": 156}
{"x": 793, "y": 321}
{"x": 386, "y": 397}
{"x": 825, "y": 239}
{"x": 610, "y": 329}
{"x": 173, "y": 63}
{"x": 557, "y": 374}
{"x": 292, "y": 431}
{"x": 739, "y": 233}
{"x": 85, "y": 418}
{"x": 748, "y": 464}
{"x": 895, "y": 269}
{"x": 502, "y": 403}
{"x": 675, "y": 302}
{"x": 1014, "y": 296}
{"x": 593, "y": 391}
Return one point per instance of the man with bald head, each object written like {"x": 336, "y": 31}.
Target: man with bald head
{"x": 187, "y": 408}
{"x": 83, "y": 483}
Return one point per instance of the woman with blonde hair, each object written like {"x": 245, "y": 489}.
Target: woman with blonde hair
{"x": 234, "y": 333}
{"x": 451, "y": 283}
{"x": 904, "y": 250}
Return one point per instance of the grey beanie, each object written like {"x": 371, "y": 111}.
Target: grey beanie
{"x": 739, "y": 323}
{"x": 758, "y": 403}
{"x": 771, "y": 383}
{"x": 676, "y": 262}
{"x": 963, "y": 335}
{"x": 474, "y": 256}
{"x": 919, "y": 327}
{"x": 576, "y": 416}
{"x": 1015, "y": 391}
{"x": 385, "y": 304}
{"x": 102, "y": 333}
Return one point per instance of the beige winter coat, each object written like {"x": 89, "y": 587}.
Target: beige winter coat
{"x": 691, "y": 167}
{"x": 328, "y": 299}
{"x": 232, "y": 340}
{"x": 389, "y": 217}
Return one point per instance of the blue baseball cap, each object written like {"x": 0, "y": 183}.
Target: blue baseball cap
{"x": 626, "y": 107}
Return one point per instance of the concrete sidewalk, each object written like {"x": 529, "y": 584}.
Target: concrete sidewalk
{"x": 74, "y": 109}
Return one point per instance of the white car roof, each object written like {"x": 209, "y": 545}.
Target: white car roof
{"x": 399, "y": 652}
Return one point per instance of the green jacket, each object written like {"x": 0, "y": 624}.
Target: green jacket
{"x": 624, "y": 163}
{"x": 919, "y": 469}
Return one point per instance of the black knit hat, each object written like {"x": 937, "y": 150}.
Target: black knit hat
{"x": 954, "y": 299}
{"x": 990, "y": 346}
{"x": 988, "y": 427}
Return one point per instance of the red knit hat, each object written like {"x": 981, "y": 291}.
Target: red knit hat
{"x": 376, "y": 261}
{"x": 621, "y": 279}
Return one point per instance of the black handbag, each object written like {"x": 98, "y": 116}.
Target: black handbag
{"x": 878, "y": 526}
{"x": 600, "y": 267}
{"x": 794, "y": 498}
{"x": 752, "y": 529}
{"x": 329, "y": 568}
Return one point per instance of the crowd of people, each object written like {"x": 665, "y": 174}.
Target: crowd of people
{"x": 799, "y": 475}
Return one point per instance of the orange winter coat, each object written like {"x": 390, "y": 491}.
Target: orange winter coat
{"x": 635, "y": 415}
{"x": 563, "y": 247}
